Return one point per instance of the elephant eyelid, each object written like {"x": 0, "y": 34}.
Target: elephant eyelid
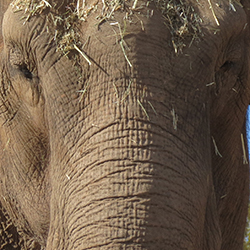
{"x": 17, "y": 60}
{"x": 227, "y": 65}
{"x": 25, "y": 71}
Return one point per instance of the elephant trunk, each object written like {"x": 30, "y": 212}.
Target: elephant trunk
{"x": 135, "y": 183}
{"x": 131, "y": 167}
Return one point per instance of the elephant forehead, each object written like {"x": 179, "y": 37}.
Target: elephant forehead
{"x": 184, "y": 19}
{"x": 16, "y": 28}
{"x": 180, "y": 17}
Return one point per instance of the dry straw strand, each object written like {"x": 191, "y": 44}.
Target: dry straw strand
{"x": 212, "y": 9}
{"x": 245, "y": 161}
{"x": 83, "y": 91}
{"x": 144, "y": 110}
{"x": 216, "y": 148}
{"x": 122, "y": 42}
{"x": 152, "y": 107}
{"x": 175, "y": 118}
{"x": 83, "y": 54}
{"x": 127, "y": 91}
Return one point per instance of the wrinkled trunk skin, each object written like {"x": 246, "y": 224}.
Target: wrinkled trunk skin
{"x": 125, "y": 174}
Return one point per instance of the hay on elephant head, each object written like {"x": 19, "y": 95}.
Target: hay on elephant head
{"x": 62, "y": 24}
{"x": 31, "y": 7}
{"x": 181, "y": 19}
{"x": 179, "y": 16}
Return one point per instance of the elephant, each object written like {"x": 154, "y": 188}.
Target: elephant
{"x": 123, "y": 124}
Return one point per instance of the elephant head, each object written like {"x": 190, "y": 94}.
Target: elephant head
{"x": 122, "y": 124}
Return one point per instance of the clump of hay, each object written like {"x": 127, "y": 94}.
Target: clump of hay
{"x": 63, "y": 25}
{"x": 182, "y": 21}
{"x": 30, "y": 7}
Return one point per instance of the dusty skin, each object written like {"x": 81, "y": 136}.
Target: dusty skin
{"x": 122, "y": 124}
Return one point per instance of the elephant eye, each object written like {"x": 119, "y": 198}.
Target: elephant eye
{"x": 227, "y": 66}
{"x": 25, "y": 71}
{"x": 19, "y": 61}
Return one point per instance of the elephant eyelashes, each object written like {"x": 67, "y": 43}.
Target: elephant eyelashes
{"x": 24, "y": 69}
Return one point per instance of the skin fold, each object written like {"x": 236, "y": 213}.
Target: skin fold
{"x": 125, "y": 142}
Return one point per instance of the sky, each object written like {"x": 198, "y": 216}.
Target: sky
{"x": 248, "y": 129}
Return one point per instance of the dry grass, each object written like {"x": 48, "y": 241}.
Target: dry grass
{"x": 245, "y": 160}
{"x": 143, "y": 109}
{"x": 182, "y": 21}
{"x": 30, "y": 7}
{"x": 180, "y": 17}
{"x": 217, "y": 152}
{"x": 175, "y": 118}
{"x": 62, "y": 26}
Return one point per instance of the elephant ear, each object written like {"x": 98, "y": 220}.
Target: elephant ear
{"x": 8, "y": 233}
{"x": 11, "y": 238}
{"x": 3, "y": 7}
